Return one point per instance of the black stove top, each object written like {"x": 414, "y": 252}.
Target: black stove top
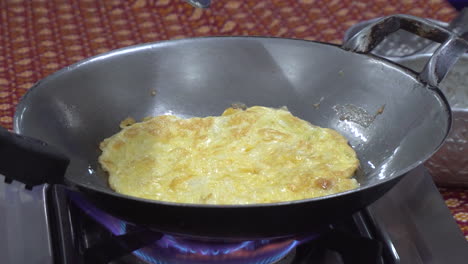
{"x": 81, "y": 238}
{"x": 48, "y": 224}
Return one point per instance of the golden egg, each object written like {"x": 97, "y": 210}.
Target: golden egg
{"x": 256, "y": 155}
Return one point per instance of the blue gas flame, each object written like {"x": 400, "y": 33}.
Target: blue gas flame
{"x": 177, "y": 250}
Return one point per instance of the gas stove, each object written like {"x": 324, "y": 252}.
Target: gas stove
{"x": 49, "y": 224}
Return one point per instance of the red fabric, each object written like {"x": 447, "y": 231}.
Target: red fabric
{"x": 457, "y": 202}
{"x": 38, "y": 37}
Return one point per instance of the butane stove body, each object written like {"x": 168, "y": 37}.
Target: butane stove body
{"x": 48, "y": 224}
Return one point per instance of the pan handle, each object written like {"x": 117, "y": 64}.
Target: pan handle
{"x": 454, "y": 42}
{"x": 30, "y": 161}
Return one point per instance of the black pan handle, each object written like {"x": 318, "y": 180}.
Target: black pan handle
{"x": 454, "y": 42}
{"x": 30, "y": 161}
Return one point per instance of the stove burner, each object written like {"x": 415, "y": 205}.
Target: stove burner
{"x": 179, "y": 250}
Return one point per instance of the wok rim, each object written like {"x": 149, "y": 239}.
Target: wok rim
{"x": 22, "y": 103}
{"x": 427, "y": 56}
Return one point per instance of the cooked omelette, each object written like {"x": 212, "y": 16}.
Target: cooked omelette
{"x": 256, "y": 155}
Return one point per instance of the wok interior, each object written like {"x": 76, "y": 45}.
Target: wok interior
{"x": 78, "y": 107}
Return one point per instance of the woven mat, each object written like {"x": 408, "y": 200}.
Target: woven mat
{"x": 38, "y": 37}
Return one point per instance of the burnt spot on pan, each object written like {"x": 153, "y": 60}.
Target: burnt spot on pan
{"x": 239, "y": 105}
{"x": 317, "y": 105}
{"x": 379, "y": 111}
{"x": 356, "y": 114}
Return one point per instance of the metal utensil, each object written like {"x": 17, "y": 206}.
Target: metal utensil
{"x": 397, "y": 44}
{"x": 458, "y": 25}
{"x": 402, "y": 43}
{"x": 199, "y": 3}
{"x": 77, "y": 107}
{"x": 449, "y": 166}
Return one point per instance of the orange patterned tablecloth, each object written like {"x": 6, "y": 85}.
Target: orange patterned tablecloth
{"x": 38, "y": 37}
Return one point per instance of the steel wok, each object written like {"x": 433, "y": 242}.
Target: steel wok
{"x": 331, "y": 86}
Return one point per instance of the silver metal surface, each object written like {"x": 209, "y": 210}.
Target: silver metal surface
{"x": 199, "y": 3}
{"x": 459, "y": 25}
{"x": 81, "y": 105}
{"x": 24, "y": 231}
{"x": 449, "y": 166}
{"x": 388, "y": 115}
{"x": 443, "y": 59}
{"x": 398, "y": 44}
{"x": 373, "y": 33}
{"x": 413, "y": 218}
{"x": 402, "y": 43}
{"x": 447, "y": 54}
{"x": 454, "y": 86}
